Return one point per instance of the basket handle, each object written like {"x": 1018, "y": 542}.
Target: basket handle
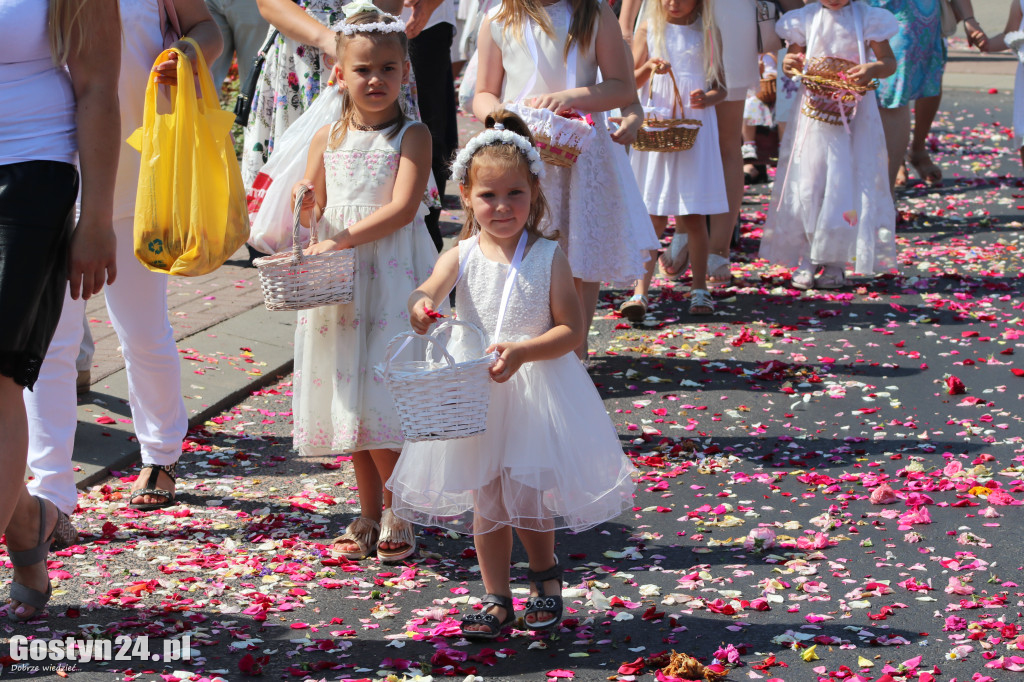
{"x": 677, "y": 98}
{"x": 297, "y": 223}
{"x": 408, "y": 337}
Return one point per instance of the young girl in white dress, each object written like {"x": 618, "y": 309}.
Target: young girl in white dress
{"x": 366, "y": 173}
{"x": 678, "y": 39}
{"x": 550, "y": 457}
{"x": 595, "y": 204}
{"x": 831, "y": 204}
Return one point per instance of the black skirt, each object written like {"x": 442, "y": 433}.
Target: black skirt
{"x": 37, "y": 212}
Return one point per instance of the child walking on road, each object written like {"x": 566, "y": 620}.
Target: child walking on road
{"x": 831, "y": 205}
{"x": 550, "y": 457}
{"x": 366, "y": 174}
{"x": 677, "y": 40}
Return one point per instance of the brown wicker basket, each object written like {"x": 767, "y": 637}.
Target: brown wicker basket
{"x": 559, "y": 139}
{"x": 766, "y": 92}
{"x": 829, "y": 96}
{"x": 670, "y": 134}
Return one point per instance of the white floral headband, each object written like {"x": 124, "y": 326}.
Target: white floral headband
{"x": 358, "y": 7}
{"x": 495, "y": 135}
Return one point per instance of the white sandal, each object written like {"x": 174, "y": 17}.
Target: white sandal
{"x": 362, "y": 532}
{"x": 673, "y": 262}
{"x": 832, "y": 277}
{"x": 719, "y": 269}
{"x": 395, "y": 530}
{"x": 701, "y": 298}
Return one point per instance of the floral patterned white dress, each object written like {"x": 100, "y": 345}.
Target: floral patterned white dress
{"x": 339, "y": 404}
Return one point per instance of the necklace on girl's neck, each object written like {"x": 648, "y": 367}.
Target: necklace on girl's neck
{"x": 377, "y": 127}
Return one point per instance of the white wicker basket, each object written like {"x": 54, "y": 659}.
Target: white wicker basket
{"x": 559, "y": 140}
{"x": 439, "y": 400}
{"x": 294, "y": 281}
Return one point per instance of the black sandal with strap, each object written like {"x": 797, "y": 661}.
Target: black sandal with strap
{"x": 544, "y": 603}
{"x": 494, "y": 625}
{"x": 151, "y": 488}
{"x": 30, "y": 557}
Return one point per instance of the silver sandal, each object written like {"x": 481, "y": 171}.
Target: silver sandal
{"x": 701, "y": 298}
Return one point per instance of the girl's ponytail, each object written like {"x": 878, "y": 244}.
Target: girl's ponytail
{"x": 511, "y": 122}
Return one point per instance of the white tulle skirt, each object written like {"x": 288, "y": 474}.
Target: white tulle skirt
{"x": 550, "y": 459}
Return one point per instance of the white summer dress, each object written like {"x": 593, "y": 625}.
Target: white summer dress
{"x": 550, "y": 457}
{"x": 824, "y": 171}
{"x": 688, "y": 182}
{"x": 339, "y": 404}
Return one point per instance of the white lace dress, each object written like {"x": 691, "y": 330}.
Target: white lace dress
{"x": 595, "y": 205}
{"x": 550, "y": 457}
{"x": 831, "y": 199}
{"x": 339, "y": 404}
{"x": 688, "y": 182}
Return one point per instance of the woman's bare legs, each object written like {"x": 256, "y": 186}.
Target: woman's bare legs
{"x": 19, "y": 511}
{"x": 925, "y": 111}
{"x": 730, "y": 141}
{"x": 896, "y": 124}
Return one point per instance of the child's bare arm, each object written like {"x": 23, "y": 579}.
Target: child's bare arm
{"x": 793, "y": 62}
{"x": 429, "y": 295}
{"x": 410, "y": 183}
{"x": 566, "y": 334}
{"x": 490, "y": 73}
{"x": 998, "y": 43}
{"x": 314, "y": 178}
{"x": 884, "y": 66}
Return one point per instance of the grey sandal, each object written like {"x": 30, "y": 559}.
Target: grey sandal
{"x": 494, "y": 625}
{"x": 29, "y": 557}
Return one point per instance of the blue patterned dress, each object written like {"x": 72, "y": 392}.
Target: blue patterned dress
{"x": 920, "y": 52}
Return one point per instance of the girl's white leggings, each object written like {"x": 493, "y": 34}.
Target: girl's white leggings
{"x": 137, "y": 303}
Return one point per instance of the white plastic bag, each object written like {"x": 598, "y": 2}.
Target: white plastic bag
{"x": 270, "y": 198}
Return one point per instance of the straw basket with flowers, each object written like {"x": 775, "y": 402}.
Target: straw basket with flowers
{"x": 439, "y": 400}
{"x": 559, "y": 138}
{"x": 292, "y": 280}
{"x": 667, "y": 134}
{"x": 830, "y": 95}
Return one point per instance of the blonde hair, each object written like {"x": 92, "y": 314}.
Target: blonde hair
{"x": 65, "y": 28}
{"x": 657, "y": 19}
{"x": 514, "y": 13}
{"x": 508, "y": 157}
{"x": 341, "y": 42}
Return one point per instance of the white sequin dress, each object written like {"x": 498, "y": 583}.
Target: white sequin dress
{"x": 550, "y": 457}
{"x": 831, "y": 200}
{"x": 339, "y": 404}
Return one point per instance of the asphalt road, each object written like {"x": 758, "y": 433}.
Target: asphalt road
{"x": 783, "y": 413}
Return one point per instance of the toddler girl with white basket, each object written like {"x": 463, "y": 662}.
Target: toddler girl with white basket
{"x": 549, "y": 457}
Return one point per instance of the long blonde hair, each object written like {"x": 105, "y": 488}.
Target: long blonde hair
{"x": 65, "y": 28}
{"x": 514, "y": 13}
{"x": 656, "y": 19}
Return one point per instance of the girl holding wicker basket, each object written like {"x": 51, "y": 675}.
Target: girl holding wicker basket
{"x": 831, "y": 207}
{"x": 366, "y": 175}
{"x": 678, "y": 51}
{"x": 545, "y": 55}
{"x": 549, "y": 457}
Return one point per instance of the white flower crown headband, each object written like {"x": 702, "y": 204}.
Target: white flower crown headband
{"x": 360, "y": 6}
{"x": 495, "y": 135}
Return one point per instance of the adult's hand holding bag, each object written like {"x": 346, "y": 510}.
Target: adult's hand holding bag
{"x": 190, "y": 213}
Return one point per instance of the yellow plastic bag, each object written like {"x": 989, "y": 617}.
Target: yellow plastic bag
{"x": 190, "y": 211}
